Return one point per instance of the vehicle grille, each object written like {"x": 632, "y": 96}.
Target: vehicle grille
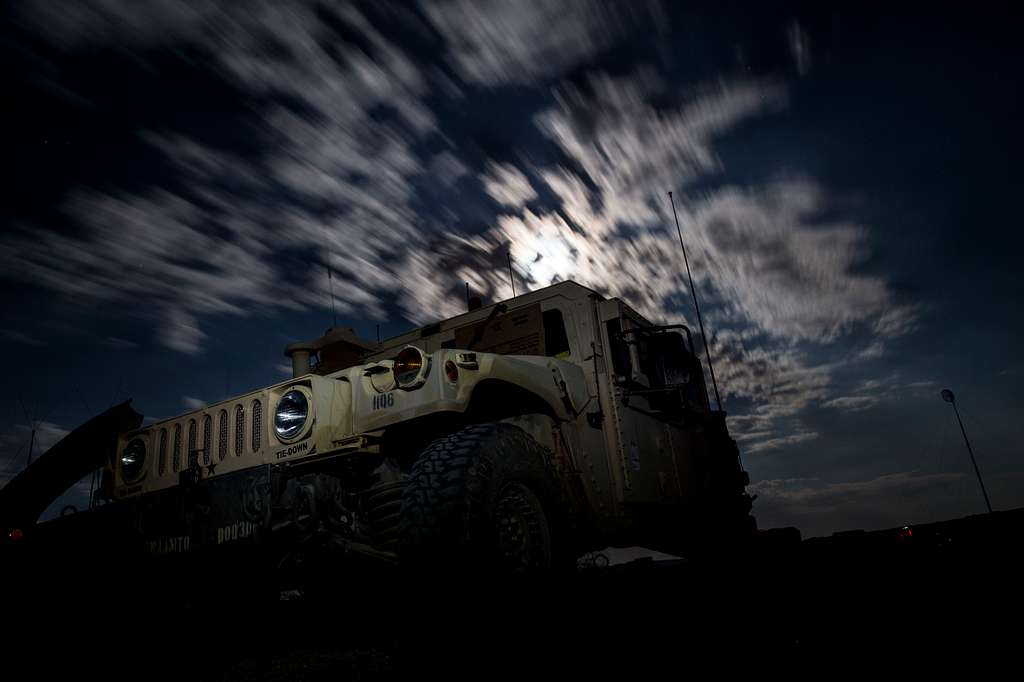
{"x": 191, "y": 440}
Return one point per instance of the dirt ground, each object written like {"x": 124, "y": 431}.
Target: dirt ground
{"x": 949, "y": 595}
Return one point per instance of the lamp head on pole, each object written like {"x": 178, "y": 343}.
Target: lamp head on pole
{"x": 947, "y": 395}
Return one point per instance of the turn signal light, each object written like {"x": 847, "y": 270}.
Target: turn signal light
{"x": 410, "y": 368}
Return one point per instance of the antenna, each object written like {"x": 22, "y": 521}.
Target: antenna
{"x": 696, "y": 306}
{"x": 378, "y": 334}
{"x": 330, "y": 278}
{"x": 32, "y": 439}
{"x": 31, "y": 446}
{"x": 511, "y": 279}
{"x": 467, "y": 295}
{"x": 330, "y": 288}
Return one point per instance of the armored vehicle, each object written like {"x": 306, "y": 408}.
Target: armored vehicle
{"x": 516, "y": 436}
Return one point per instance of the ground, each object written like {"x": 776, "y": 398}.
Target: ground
{"x": 940, "y": 594}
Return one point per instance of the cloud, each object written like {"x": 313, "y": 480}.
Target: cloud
{"x": 852, "y": 403}
{"x": 886, "y": 501}
{"x": 15, "y": 443}
{"x": 632, "y": 152}
{"x": 47, "y": 434}
{"x": 813, "y": 492}
{"x": 871, "y": 392}
{"x": 775, "y": 272}
{"x": 21, "y": 337}
{"x": 799, "y": 47}
{"x": 872, "y": 351}
{"x": 335, "y": 184}
{"x": 119, "y": 344}
{"x": 493, "y": 43}
{"x": 507, "y": 185}
{"x": 898, "y": 321}
{"x": 181, "y": 332}
{"x": 191, "y": 403}
{"x": 447, "y": 168}
{"x": 774, "y": 443}
{"x": 348, "y": 140}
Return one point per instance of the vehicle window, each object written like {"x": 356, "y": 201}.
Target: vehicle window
{"x": 669, "y": 359}
{"x": 556, "y": 340}
{"x": 619, "y": 349}
{"x": 517, "y": 332}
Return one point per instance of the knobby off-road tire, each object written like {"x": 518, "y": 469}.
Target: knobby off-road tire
{"x": 484, "y": 500}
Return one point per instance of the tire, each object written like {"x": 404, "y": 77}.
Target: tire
{"x": 485, "y": 499}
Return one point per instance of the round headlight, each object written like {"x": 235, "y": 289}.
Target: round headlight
{"x": 292, "y": 412}
{"x": 133, "y": 459}
{"x": 408, "y": 367}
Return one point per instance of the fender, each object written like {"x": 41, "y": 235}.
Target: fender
{"x": 560, "y": 384}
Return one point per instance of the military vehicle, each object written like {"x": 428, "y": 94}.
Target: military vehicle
{"x": 515, "y": 437}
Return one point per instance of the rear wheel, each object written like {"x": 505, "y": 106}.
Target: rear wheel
{"x": 484, "y": 498}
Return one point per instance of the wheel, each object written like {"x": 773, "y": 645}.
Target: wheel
{"x": 484, "y": 498}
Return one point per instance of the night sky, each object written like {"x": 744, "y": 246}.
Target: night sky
{"x": 179, "y": 177}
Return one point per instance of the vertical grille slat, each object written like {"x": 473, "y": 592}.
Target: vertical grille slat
{"x": 222, "y": 434}
{"x": 192, "y": 444}
{"x": 163, "y": 451}
{"x": 207, "y": 438}
{"x": 177, "y": 447}
{"x": 257, "y": 424}
{"x": 193, "y": 441}
{"x": 239, "y": 430}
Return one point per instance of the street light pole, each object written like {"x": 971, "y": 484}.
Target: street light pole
{"x": 948, "y": 396}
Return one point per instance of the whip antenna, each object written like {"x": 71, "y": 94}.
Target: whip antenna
{"x": 696, "y": 306}
{"x": 330, "y": 287}
{"x": 511, "y": 279}
{"x": 330, "y": 278}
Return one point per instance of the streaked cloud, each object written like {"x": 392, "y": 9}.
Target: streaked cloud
{"x": 191, "y": 403}
{"x": 14, "y": 445}
{"x": 351, "y": 148}
{"x": 852, "y": 403}
{"x": 799, "y": 47}
{"x": 889, "y": 500}
{"x": 507, "y": 185}
{"x": 21, "y": 337}
{"x": 496, "y": 43}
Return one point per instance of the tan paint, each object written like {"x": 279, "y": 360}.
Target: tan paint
{"x": 629, "y": 457}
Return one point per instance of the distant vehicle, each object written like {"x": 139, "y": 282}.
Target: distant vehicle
{"x": 514, "y": 437}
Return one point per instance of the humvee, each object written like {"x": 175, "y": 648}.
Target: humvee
{"x": 516, "y": 436}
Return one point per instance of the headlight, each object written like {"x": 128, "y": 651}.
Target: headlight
{"x": 410, "y": 367}
{"x": 133, "y": 460}
{"x": 292, "y": 412}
